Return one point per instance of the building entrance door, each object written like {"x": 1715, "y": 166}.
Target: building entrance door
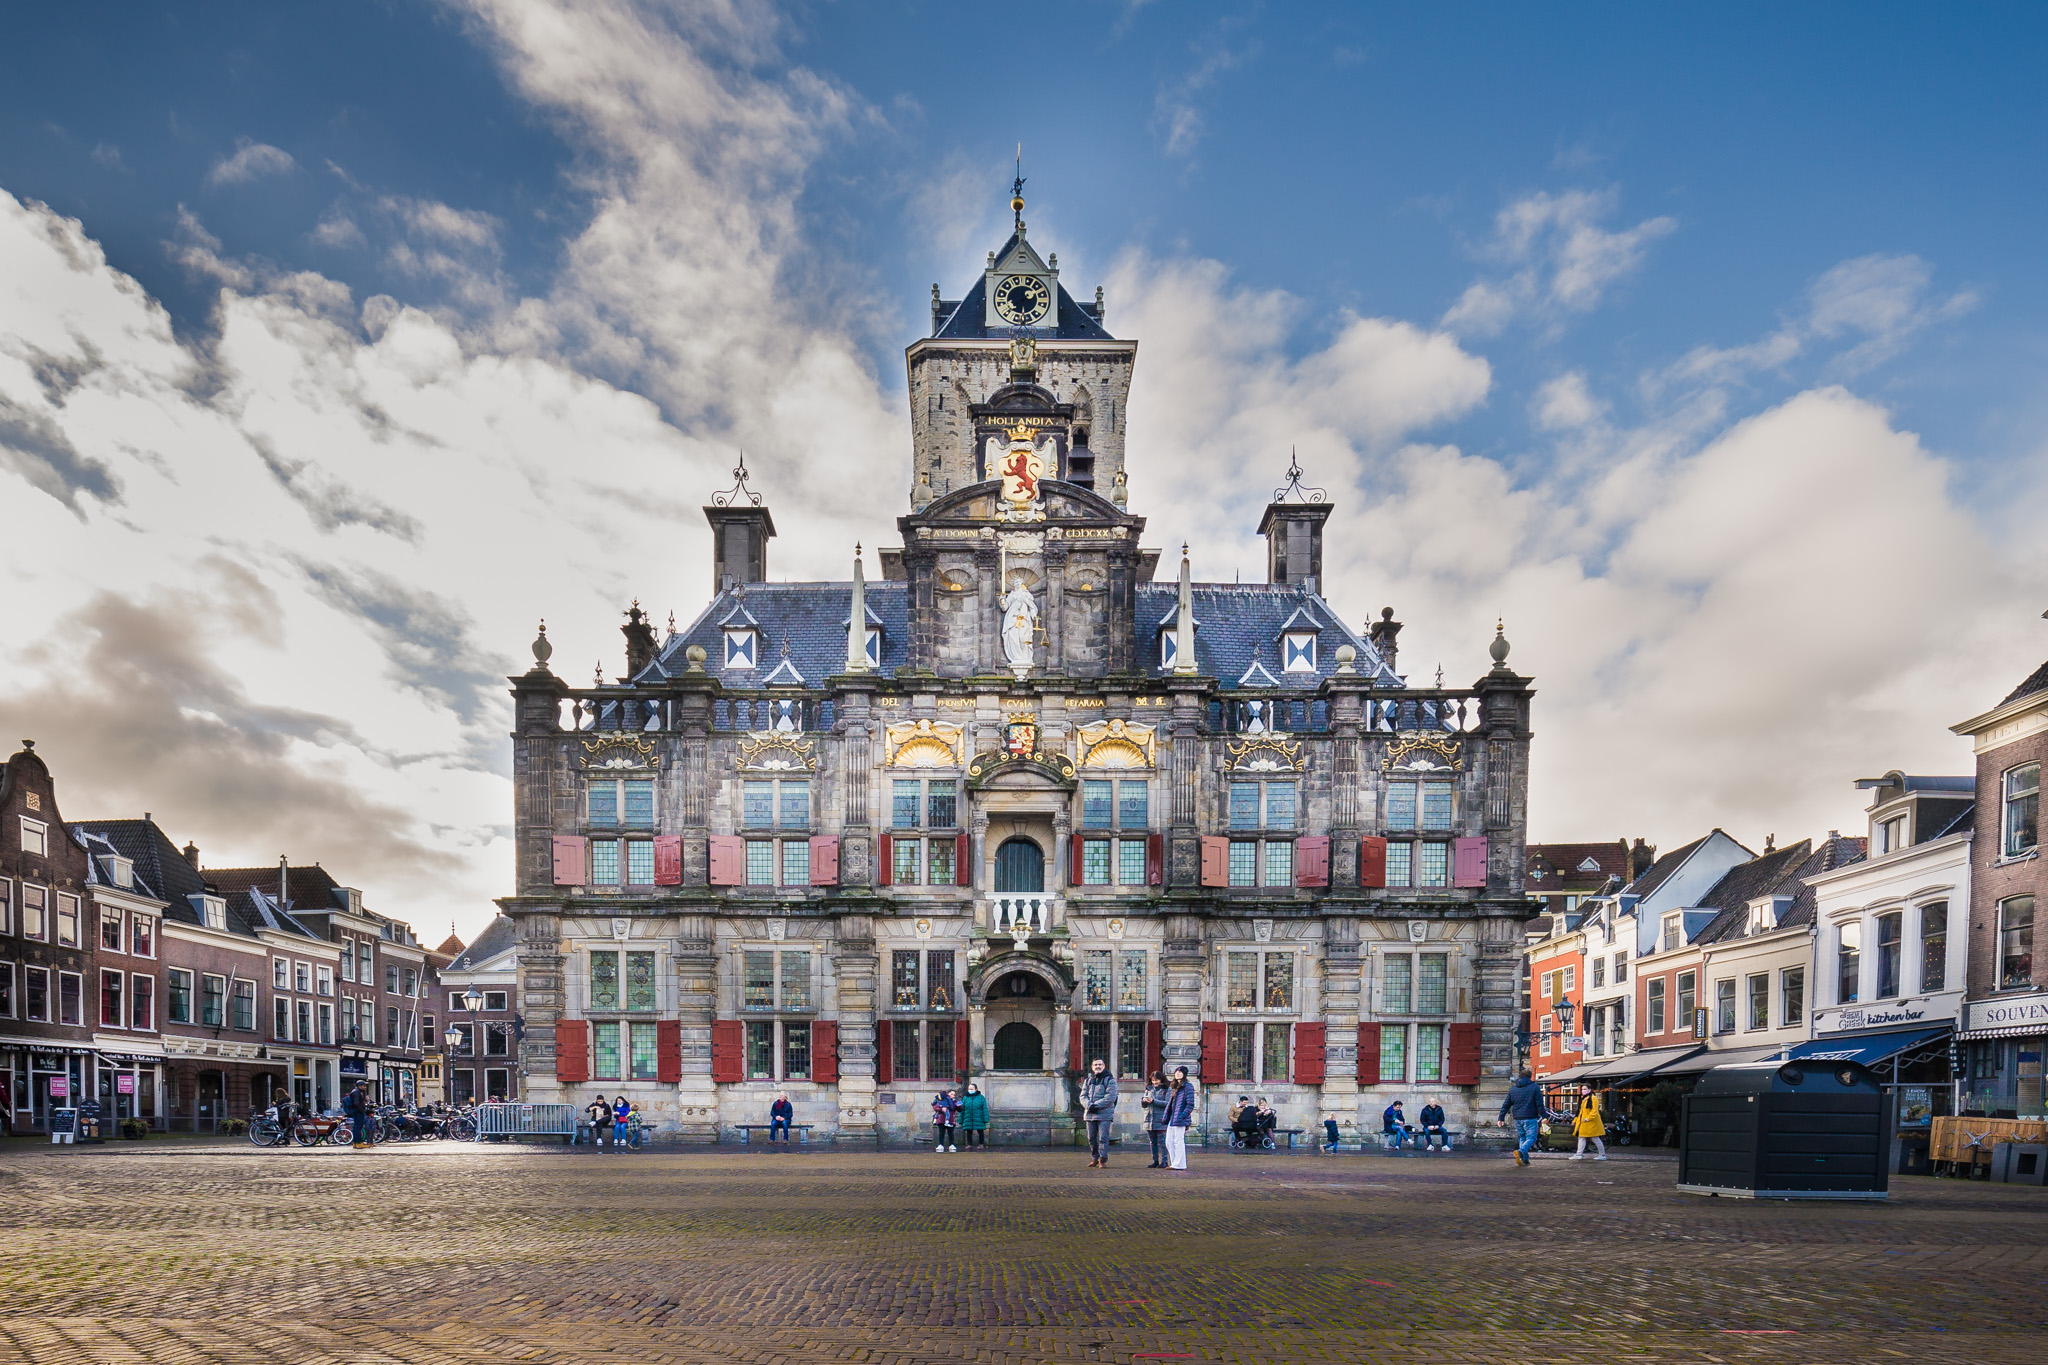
{"x": 1020, "y": 866}
{"x": 1019, "y": 1047}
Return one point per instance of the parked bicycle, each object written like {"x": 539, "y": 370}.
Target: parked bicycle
{"x": 313, "y": 1129}
{"x": 266, "y": 1131}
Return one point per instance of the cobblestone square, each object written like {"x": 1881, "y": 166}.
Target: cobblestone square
{"x": 461, "y": 1253}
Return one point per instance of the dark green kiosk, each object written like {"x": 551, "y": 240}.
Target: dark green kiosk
{"x": 1786, "y": 1130}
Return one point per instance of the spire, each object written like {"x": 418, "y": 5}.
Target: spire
{"x": 1184, "y": 628}
{"x": 857, "y": 623}
{"x": 1017, "y": 191}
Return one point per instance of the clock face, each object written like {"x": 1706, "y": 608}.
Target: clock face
{"x": 1022, "y": 300}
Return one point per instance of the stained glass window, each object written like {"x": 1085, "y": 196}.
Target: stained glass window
{"x": 1396, "y": 989}
{"x": 1237, "y": 1051}
{"x": 942, "y": 807}
{"x": 903, "y": 979}
{"x": 761, "y": 1052}
{"x": 604, "y": 805}
{"x": 796, "y": 1052}
{"x": 604, "y": 981}
{"x": 757, "y": 980}
{"x": 941, "y": 862}
{"x": 796, "y": 980}
{"x": 1279, "y": 981}
{"x": 640, "y": 981}
{"x": 639, "y": 804}
{"x": 643, "y": 1052}
{"x": 1095, "y": 980}
{"x": 1132, "y": 804}
{"x": 1130, "y": 979}
{"x": 1432, "y": 989}
{"x": 757, "y": 805}
{"x": 796, "y": 805}
{"x": 604, "y": 1039}
{"x": 1241, "y": 988}
{"x": 1273, "y": 1066}
{"x": 938, "y": 978}
{"x": 1097, "y": 810}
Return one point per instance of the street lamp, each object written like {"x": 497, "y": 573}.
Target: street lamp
{"x": 1564, "y": 1009}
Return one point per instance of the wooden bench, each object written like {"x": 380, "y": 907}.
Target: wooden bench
{"x": 747, "y": 1130}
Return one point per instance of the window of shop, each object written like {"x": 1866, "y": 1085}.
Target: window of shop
{"x": 2022, "y": 804}
{"x": 1933, "y": 947}
{"x": 1890, "y": 945}
{"x": 1792, "y": 997}
{"x": 2016, "y": 944}
{"x": 1759, "y": 986}
{"x": 1654, "y": 1018}
{"x": 1848, "y": 963}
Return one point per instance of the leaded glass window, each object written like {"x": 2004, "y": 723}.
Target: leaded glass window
{"x": 1279, "y": 863}
{"x": 903, "y": 980}
{"x": 1237, "y": 1051}
{"x": 604, "y": 862}
{"x": 640, "y": 981}
{"x": 1400, "y": 859}
{"x": 903, "y": 802}
{"x": 1394, "y": 1053}
{"x": 1130, "y": 862}
{"x": 639, "y": 804}
{"x": 1130, "y": 979}
{"x": 1241, "y": 989}
{"x": 938, "y": 1052}
{"x": 1436, "y": 814}
{"x": 796, "y": 1052}
{"x": 796, "y": 980}
{"x": 1401, "y": 805}
{"x": 1280, "y": 805}
{"x": 796, "y": 804}
{"x": 903, "y": 1056}
{"x": 761, "y": 1051}
{"x": 604, "y": 981}
{"x": 604, "y": 1061}
{"x": 942, "y": 805}
{"x": 1396, "y": 989}
{"x": 903, "y": 855}
{"x": 1244, "y": 805}
{"x": 604, "y": 805}
{"x": 1279, "y": 981}
{"x": 1433, "y": 986}
{"x": 1095, "y": 861}
{"x": 1098, "y": 809}
{"x": 1094, "y": 1043}
{"x": 796, "y": 862}
{"x": 1095, "y": 967}
{"x": 938, "y": 978}
{"x": 644, "y": 1068}
{"x": 1132, "y": 805}
{"x": 757, "y": 980}
{"x": 1273, "y": 1066}
{"x": 940, "y": 862}
{"x": 1435, "y": 865}
{"x": 1244, "y": 863}
{"x": 1429, "y": 1052}
{"x": 640, "y": 862}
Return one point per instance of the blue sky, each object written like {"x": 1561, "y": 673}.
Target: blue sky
{"x": 1664, "y": 331}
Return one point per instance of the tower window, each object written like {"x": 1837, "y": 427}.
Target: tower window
{"x": 742, "y": 648}
{"x": 1298, "y": 651}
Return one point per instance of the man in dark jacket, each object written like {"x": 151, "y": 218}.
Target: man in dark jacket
{"x": 1394, "y": 1124}
{"x": 1525, "y": 1102}
{"x": 1098, "y": 1108}
{"x": 1435, "y": 1137}
{"x": 356, "y": 1104}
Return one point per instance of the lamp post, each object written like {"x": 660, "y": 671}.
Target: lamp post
{"x": 473, "y": 1001}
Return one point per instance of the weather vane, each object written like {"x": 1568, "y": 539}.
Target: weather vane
{"x": 1294, "y": 486}
{"x": 739, "y": 488}
{"x": 1017, "y": 188}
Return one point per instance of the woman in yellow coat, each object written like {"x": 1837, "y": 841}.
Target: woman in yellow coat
{"x": 1590, "y": 1127}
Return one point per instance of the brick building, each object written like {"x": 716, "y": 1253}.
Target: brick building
{"x": 1017, "y": 804}
{"x": 484, "y": 1061}
{"x": 49, "y": 982}
{"x": 2005, "y": 1014}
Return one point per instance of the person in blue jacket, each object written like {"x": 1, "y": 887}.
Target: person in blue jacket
{"x": 1525, "y": 1101}
{"x": 622, "y": 1110}
{"x": 780, "y": 1115}
{"x": 1394, "y": 1124}
{"x": 1180, "y": 1114}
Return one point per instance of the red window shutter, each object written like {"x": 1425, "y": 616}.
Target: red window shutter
{"x": 825, "y": 1052}
{"x": 1155, "y": 1044}
{"x": 728, "y": 1050}
{"x": 572, "y": 860}
{"x": 1368, "y": 1054}
{"x": 884, "y": 1035}
{"x": 668, "y": 860}
{"x": 1074, "y": 863}
{"x": 885, "y": 866}
{"x": 1372, "y": 861}
{"x": 1470, "y": 863}
{"x": 1213, "y": 1043}
{"x": 1155, "y": 859}
{"x": 572, "y": 1051}
{"x": 668, "y": 1051}
{"x": 824, "y": 860}
{"x": 963, "y": 1049}
{"x": 728, "y": 860}
{"x": 1308, "y": 1054}
{"x": 1215, "y": 862}
{"x": 1074, "y": 1062}
{"x": 963, "y": 860}
{"x": 1312, "y": 861}
{"x": 1461, "y": 1065}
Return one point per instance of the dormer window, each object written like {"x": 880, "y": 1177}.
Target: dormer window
{"x": 1298, "y": 651}
{"x": 1169, "y": 648}
{"x": 213, "y": 911}
{"x": 1674, "y": 930}
{"x": 874, "y": 646}
{"x": 1891, "y": 834}
{"x": 742, "y": 648}
{"x": 122, "y": 870}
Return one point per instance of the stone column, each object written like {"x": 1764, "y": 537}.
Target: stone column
{"x": 540, "y": 999}
{"x": 695, "y": 959}
{"x": 1184, "y": 984}
{"x": 1342, "y": 1002}
{"x": 857, "y": 965}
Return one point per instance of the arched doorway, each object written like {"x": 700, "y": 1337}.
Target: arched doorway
{"x": 1019, "y": 1047}
{"x": 1020, "y": 866}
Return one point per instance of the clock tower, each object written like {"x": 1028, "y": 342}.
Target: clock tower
{"x": 1018, "y": 348}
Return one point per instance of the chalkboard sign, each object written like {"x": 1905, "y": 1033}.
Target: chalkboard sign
{"x": 63, "y": 1121}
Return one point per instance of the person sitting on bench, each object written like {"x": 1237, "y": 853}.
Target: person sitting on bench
{"x": 1394, "y": 1125}
{"x": 1268, "y": 1121}
{"x": 780, "y": 1115}
{"x": 1244, "y": 1122}
{"x": 1433, "y": 1130}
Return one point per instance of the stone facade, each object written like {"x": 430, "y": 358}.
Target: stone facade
{"x": 1017, "y": 805}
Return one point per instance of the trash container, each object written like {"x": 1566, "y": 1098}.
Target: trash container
{"x": 1791, "y": 1130}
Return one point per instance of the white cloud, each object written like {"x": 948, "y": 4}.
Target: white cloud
{"x": 1558, "y": 258}
{"x": 250, "y": 161}
{"x": 1565, "y": 404}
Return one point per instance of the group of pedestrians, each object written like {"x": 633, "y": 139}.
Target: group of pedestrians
{"x": 959, "y": 1118}
{"x": 1525, "y": 1104}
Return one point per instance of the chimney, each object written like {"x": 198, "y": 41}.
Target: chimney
{"x": 639, "y": 633}
{"x": 1294, "y": 541}
{"x": 191, "y": 852}
{"x": 284, "y": 875}
{"x": 1639, "y": 859}
{"x": 1385, "y": 635}
{"x": 740, "y": 531}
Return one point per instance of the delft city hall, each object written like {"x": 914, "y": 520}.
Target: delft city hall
{"x": 1020, "y": 802}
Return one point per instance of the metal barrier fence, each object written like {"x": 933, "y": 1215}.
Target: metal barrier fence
{"x": 525, "y": 1120}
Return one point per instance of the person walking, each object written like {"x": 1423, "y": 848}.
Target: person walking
{"x": 780, "y": 1115}
{"x": 599, "y": 1112}
{"x": 622, "y": 1113}
{"x": 282, "y": 1101}
{"x": 974, "y": 1117}
{"x": 945, "y": 1116}
{"x": 1180, "y": 1113}
{"x": 1158, "y": 1096}
{"x": 356, "y": 1104}
{"x": 1589, "y": 1126}
{"x": 1098, "y": 1109}
{"x": 1525, "y": 1101}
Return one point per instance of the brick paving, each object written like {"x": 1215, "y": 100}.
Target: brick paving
{"x": 458, "y": 1253}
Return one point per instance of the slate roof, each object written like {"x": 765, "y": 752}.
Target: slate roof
{"x": 1964, "y": 815}
{"x": 1237, "y": 638}
{"x": 968, "y": 319}
{"x": 1835, "y": 851}
{"x": 1553, "y": 869}
{"x": 163, "y": 873}
{"x": 306, "y": 889}
{"x": 1767, "y": 874}
{"x": 2037, "y": 681}
{"x": 1661, "y": 871}
{"x": 496, "y": 938}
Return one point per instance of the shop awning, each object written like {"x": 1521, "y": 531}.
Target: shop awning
{"x": 1869, "y": 1049}
{"x": 2003, "y": 1031}
{"x": 1628, "y": 1066}
{"x": 1701, "y": 1062}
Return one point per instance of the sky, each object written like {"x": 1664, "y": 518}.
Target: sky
{"x": 340, "y": 345}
